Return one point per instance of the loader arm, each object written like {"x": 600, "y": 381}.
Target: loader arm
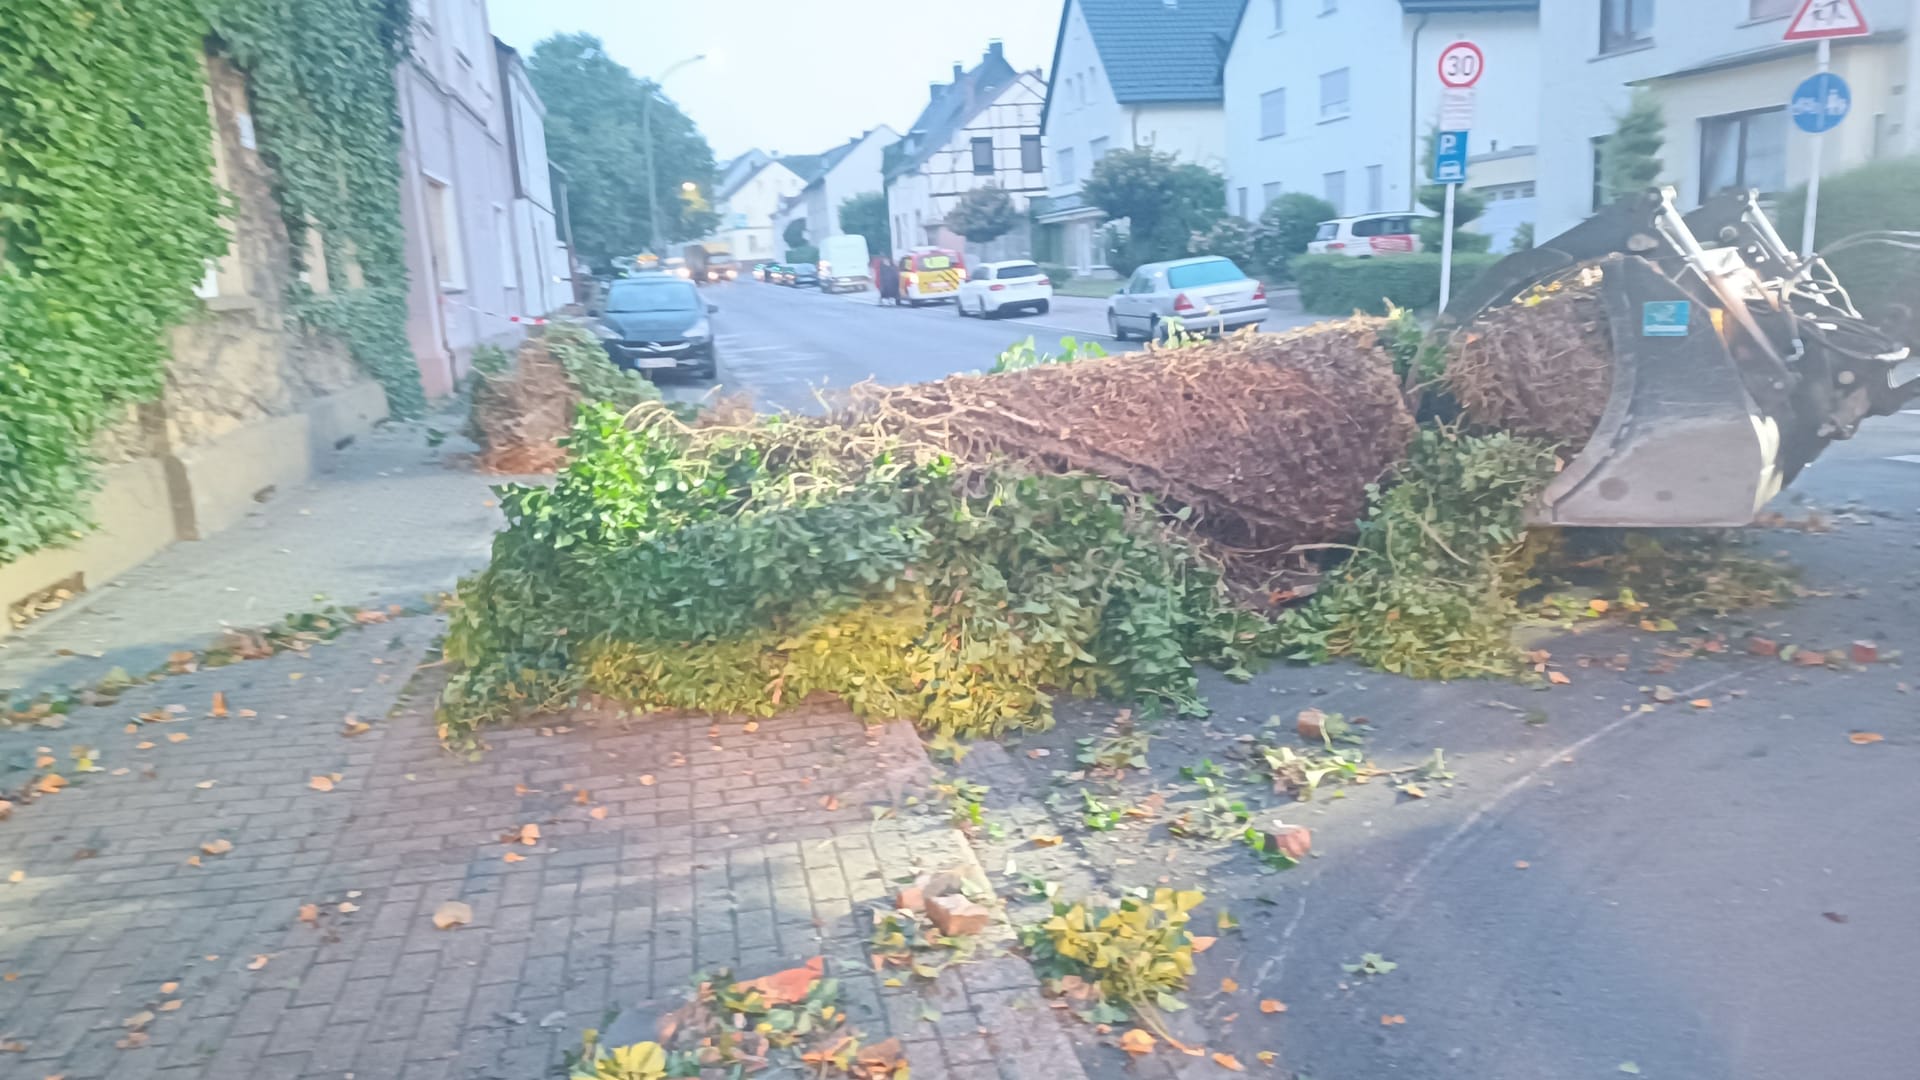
{"x": 1735, "y": 361}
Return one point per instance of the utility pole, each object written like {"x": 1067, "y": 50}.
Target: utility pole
{"x": 646, "y": 136}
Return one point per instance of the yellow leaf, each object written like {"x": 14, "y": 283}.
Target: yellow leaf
{"x": 176, "y": 736}
{"x": 1046, "y": 839}
{"x": 204, "y": 784}
{"x": 451, "y": 914}
{"x": 1862, "y": 738}
{"x": 1229, "y": 984}
{"x": 1267, "y": 1057}
{"x": 321, "y": 783}
{"x": 1229, "y": 1062}
{"x": 258, "y": 962}
{"x": 217, "y": 847}
{"x": 598, "y": 813}
{"x": 1269, "y": 1005}
{"x": 1137, "y": 1041}
{"x": 1558, "y": 678}
{"x": 646, "y": 780}
{"x": 16, "y": 877}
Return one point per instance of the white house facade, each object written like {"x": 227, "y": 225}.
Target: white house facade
{"x": 1336, "y": 97}
{"x": 1127, "y": 73}
{"x": 747, "y": 210}
{"x": 983, "y": 128}
{"x": 1722, "y": 75}
{"x": 544, "y": 267}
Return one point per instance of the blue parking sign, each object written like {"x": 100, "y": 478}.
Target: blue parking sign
{"x": 1820, "y": 103}
{"x": 1450, "y": 158}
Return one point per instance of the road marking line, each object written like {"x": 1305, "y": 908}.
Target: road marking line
{"x": 1912, "y": 459}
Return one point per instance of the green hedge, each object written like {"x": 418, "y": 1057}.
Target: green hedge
{"x": 1341, "y": 285}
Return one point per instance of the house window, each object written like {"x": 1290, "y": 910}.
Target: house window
{"x": 983, "y": 157}
{"x": 1598, "y": 154}
{"x": 1268, "y": 193}
{"x": 1336, "y": 190}
{"x": 1770, "y": 9}
{"x": 1240, "y": 197}
{"x": 443, "y": 233}
{"x": 1063, "y": 165}
{"x": 1743, "y": 150}
{"x": 1097, "y": 149}
{"x": 1333, "y": 94}
{"x": 1273, "y": 114}
{"x": 1030, "y": 153}
{"x": 1279, "y": 15}
{"x": 1376, "y": 188}
{"x": 1625, "y": 24}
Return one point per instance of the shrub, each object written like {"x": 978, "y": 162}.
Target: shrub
{"x": 1058, "y": 275}
{"x": 1884, "y": 282}
{"x": 1340, "y": 285}
{"x": 1230, "y": 238}
{"x": 1287, "y": 225}
{"x": 805, "y": 253}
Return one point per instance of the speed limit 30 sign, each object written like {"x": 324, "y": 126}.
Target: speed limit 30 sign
{"x": 1461, "y": 64}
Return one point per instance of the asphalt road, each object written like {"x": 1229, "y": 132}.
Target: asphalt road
{"x": 782, "y": 344}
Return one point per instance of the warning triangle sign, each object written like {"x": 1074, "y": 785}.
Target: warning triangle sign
{"x": 1827, "y": 19}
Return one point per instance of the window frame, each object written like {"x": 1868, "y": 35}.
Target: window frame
{"x": 1037, "y": 162}
{"x": 977, "y": 143}
{"x": 1744, "y": 118}
{"x": 1786, "y": 11}
{"x": 1281, "y": 91}
{"x": 1346, "y": 98}
{"x": 1628, "y": 37}
{"x": 1326, "y": 190}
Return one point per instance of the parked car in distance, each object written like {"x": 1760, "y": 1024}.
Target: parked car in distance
{"x": 760, "y": 271}
{"x": 930, "y": 275}
{"x": 999, "y": 287}
{"x": 659, "y": 322}
{"x": 803, "y": 274}
{"x": 1207, "y": 294}
{"x": 845, "y": 264}
{"x": 778, "y": 274}
{"x": 1366, "y": 235}
{"x": 677, "y": 266}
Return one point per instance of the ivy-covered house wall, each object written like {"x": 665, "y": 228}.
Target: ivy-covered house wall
{"x": 200, "y": 261}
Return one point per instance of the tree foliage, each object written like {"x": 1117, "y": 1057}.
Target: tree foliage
{"x": 1163, "y": 200}
{"x": 796, "y": 233}
{"x": 595, "y": 131}
{"x": 866, "y": 215}
{"x": 983, "y": 214}
{"x": 1287, "y": 226}
{"x": 1630, "y": 157}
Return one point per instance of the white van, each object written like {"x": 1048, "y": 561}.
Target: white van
{"x": 845, "y": 264}
{"x": 1366, "y": 235}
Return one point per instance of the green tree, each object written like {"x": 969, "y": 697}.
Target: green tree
{"x": 1163, "y": 200}
{"x": 1467, "y": 206}
{"x": 594, "y": 132}
{"x": 1229, "y": 238}
{"x": 1287, "y": 225}
{"x": 866, "y": 215}
{"x": 796, "y": 233}
{"x": 983, "y": 214}
{"x": 1630, "y": 157}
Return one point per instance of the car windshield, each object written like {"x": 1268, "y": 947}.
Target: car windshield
{"x": 653, "y": 296}
{"x": 1211, "y": 272}
{"x": 935, "y": 262}
{"x": 1328, "y": 230}
{"x": 1017, "y": 270}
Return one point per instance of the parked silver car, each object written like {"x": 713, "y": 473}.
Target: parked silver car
{"x": 1208, "y": 295}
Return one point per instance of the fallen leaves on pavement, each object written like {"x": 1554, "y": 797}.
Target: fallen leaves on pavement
{"x": 1137, "y": 1041}
{"x": 324, "y": 782}
{"x": 1229, "y": 985}
{"x": 1269, "y": 1005}
{"x": 217, "y": 847}
{"x": 1864, "y": 738}
{"x": 258, "y": 962}
{"x": 1228, "y": 1062}
{"x": 786, "y": 987}
{"x": 451, "y": 914}
{"x": 310, "y": 913}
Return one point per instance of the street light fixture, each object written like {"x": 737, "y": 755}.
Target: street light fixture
{"x": 646, "y": 136}
{"x": 689, "y": 186}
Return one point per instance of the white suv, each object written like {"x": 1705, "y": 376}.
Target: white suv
{"x": 1367, "y": 235}
{"x": 999, "y": 287}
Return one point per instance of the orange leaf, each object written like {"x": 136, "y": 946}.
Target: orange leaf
{"x": 1229, "y": 984}
{"x": 1557, "y": 678}
{"x": 529, "y": 834}
{"x": 176, "y": 736}
{"x": 583, "y": 797}
{"x": 1598, "y": 606}
{"x": 219, "y": 703}
{"x": 1269, "y": 1005}
{"x": 1862, "y": 738}
{"x": 786, "y": 987}
{"x": 310, "y": 913}
{"x": 1521, "y": 864}
{"x": 169, "y": 987}
{"x": 50, "y": 783}
{"x": 1229, "y": 1063}
{"x": 321, "y": 783}
{"x": 1389, "y": 1021}
{"x": 1701, "y": 703}
{"x": 646, "y": 780}
{"x": 1202, "y": 944}
{"x": 1045, "y": 839}
{"x": 258, "y": 962}
{"x": 217, "y": 847}
{"x": 598, "y": 813}
{"x": 169, "y": 1006}
{"x": 1137, "y": 1041}
{"x": 348, "y": 907}
{"x": 513, "y": 856}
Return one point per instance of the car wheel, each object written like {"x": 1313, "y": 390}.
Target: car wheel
{"x": 1156, "y": 330}
{"x": 1113, "y": 327}
{"x": 1043, "y": 307}
{"x": 960, "y": 309}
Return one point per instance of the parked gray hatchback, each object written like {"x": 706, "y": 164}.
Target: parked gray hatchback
{"x": 1207, "y": 295}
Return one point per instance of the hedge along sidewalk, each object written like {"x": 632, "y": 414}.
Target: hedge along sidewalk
{"x": 1341, "y": 284}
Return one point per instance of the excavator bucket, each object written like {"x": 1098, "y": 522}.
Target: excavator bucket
{"x": 1733, "y": 365}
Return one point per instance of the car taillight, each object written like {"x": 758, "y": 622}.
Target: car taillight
{"x": 909, "y": 278}
{"x": 1181, "y": 303}
{"x": 1259, "y": 291}
{"x": 1336, "y": 245}
{"x": 995, "y": 287}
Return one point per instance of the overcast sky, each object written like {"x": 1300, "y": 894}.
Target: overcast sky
{"x": 793, "y": 76}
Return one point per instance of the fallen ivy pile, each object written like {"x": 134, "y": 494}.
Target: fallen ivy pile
{"x": 733, "y": 568}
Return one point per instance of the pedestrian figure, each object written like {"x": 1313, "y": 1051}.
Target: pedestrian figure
{"x": 889, "y": 282}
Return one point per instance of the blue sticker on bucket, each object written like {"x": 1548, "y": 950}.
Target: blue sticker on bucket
{"x": 1665, "y": 318}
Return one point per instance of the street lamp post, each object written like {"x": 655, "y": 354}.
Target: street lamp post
{"x": 646, "y": 136}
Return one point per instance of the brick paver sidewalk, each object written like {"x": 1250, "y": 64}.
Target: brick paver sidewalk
{"x": 694, "y": 848}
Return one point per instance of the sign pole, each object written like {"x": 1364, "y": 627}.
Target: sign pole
{"x": 1446, "y": 251}
{"x": 1825, "y": 55}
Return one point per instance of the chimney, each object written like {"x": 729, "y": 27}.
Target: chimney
{"x": 993, "y": 50}
{"x": 958, "y": 71}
